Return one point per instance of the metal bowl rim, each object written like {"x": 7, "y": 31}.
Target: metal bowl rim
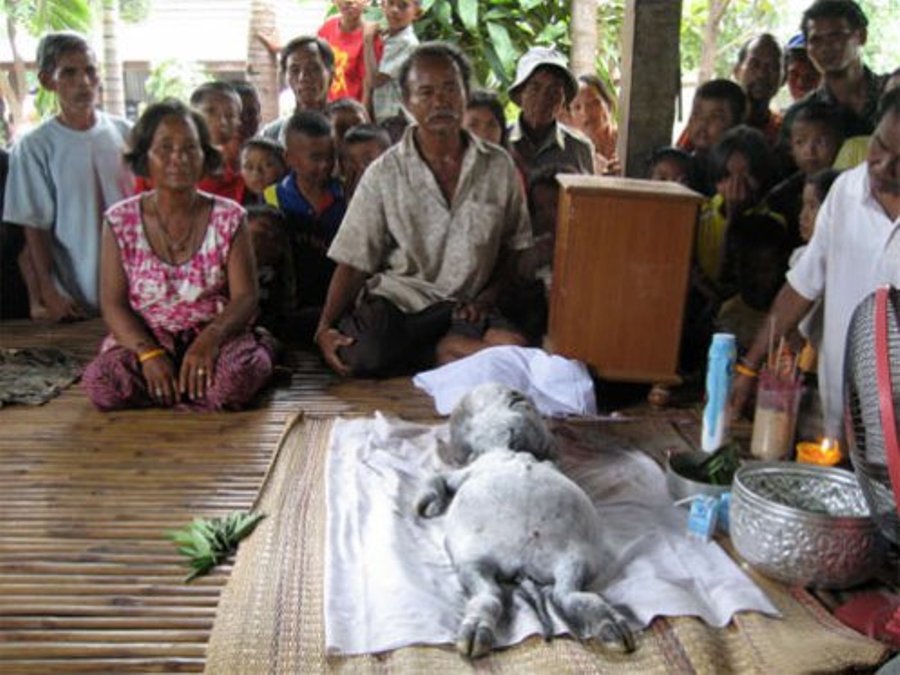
{"x": 743, "y": 491}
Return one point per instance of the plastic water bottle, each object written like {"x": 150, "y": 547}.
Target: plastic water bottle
{"x": 719, "y": 370}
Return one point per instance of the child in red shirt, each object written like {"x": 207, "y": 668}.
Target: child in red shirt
{"x": 345, "y": 34}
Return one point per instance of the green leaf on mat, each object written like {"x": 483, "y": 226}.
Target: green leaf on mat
{"x": 208, "y": 543}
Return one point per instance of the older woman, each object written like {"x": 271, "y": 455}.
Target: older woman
{"x": 178, "y": 281}
{"x": 592, "y": 112}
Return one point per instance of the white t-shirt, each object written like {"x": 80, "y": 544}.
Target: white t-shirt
{"x": 854, "y": 250}
{"x": 62, "y": 180}
{"x": 387, "y": 101}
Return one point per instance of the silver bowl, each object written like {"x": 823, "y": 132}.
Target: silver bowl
{"x": 804, "y": 525}
{"x": 681, "y": 486}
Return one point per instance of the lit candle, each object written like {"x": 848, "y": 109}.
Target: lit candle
{"x": 827, "y": 452}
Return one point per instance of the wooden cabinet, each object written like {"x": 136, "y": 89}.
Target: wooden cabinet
{"x": 620, "y": 275}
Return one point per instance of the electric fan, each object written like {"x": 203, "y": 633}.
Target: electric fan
{"x": 872, "y": 401}
{"x": 872, "y": 395}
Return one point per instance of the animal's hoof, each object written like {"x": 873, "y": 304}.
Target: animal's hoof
{"x": 475, "y": 641}
{"x": 618, "y": 632}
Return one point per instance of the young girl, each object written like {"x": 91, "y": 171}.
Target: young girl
{"x": 220, "y": 106}
{"x": 670, "y": 164}
{"x": 484, "y": 117}
{"x": 593, "y": 112}
{"x": 262, "y": 164}
{"x": 741, "y": 169}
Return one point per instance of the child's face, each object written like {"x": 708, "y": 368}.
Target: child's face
{"x": 739, "y": 186}
{"x": 802, "y": 77}
{"x": 399, "y": 13}
{"x": 710, "y": 119}
{"x": 809, "y": 211}
{"x": 75, "y": 81}
{"x": 669, "y": 170}
{"x": 260, "y": 168}
{"x": 267, "y": 238}
{"x": 350, "y": 11}
{"x": 222, "y": 113}
{"x": 588, "y": 108}
{"x": 358, "y": 156}
{"x": 760, "y": 276}
{"x": 311, "y": 157}
{"x": 250, "y": 112}
{"x": 545, "y": 204}
{"x": 813, "y": 146}
{"x": 481, "y": 122}
{"x": 344, "y": 119}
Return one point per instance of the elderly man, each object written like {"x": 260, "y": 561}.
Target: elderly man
{"x": 759, "y": 72}
{"x": 855, "y": 249}
{"x": 63, "y": 175}
{"x": 543, "y": 87}
{"x": 835, "y": 32}
{"x": 307, "y": 65}
{"x": 432, "y": 232}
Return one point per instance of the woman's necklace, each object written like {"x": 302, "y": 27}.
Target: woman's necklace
{"x": 175, "y": 247}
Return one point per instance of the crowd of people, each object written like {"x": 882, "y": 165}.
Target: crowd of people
{"x": 395, "y": 219}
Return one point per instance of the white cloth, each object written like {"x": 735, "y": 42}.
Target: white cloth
{"x": 855, "y": 248}
{"x": 556, "y": 385}
{"x": 389, "y": 582}
{"x": 63, "y": 180}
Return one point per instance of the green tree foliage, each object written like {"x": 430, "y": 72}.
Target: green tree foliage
{"x": 40, "y": 16}
{"x": 882, "y": 50}
{"x": 610, "y": 17}
{"x": 494, "y": 33}
{"x": 134, "y": 11}
{"x": 174, "y": 79}
{"x": 742, "y": 19}
{"x": 745, "y": 18}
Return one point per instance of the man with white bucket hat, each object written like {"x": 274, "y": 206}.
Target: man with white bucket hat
{"x": 544, "y": 85}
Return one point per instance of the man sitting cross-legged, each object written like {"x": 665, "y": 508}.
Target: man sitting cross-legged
{"x": 430, "y": 236}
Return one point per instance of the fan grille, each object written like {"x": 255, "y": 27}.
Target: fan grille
{"x": 865, "y": 434}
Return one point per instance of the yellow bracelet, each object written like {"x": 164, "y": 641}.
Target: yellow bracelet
{"x": 143, "y": 357}
{"x": 747, "y": 371}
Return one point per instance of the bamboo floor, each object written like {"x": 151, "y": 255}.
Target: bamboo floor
{"x": 88, "y": 580}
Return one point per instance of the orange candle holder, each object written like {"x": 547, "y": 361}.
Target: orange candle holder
{"x": 824, "y": 453}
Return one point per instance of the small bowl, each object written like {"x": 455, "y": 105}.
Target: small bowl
{"x": 681, "y": 486}
{"x": 805, "y": 525}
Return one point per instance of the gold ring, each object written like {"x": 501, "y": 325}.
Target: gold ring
{"x": 159, "y": 391}
{"x": 201, "y": 370}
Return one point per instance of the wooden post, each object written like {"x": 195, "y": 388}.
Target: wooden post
{"x": 650, "y": 80}
{"x": 262, "y": 64}
{"x": 113, "y": 82}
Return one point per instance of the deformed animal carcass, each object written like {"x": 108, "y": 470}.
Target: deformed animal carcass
{"x": 515, "y": 521}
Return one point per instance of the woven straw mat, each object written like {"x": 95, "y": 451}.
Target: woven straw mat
{"x": 270, "y": 616}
